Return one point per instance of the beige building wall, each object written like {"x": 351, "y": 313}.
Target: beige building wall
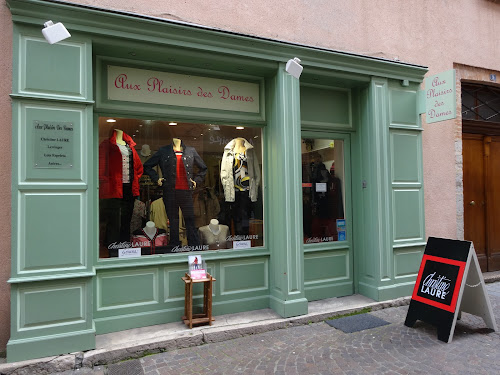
{"x": 434, "y": 33}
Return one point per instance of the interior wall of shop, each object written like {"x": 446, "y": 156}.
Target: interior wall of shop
{"x": 432, "y": 34}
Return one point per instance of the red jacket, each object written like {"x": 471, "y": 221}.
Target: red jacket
{"x": 110, "y": 168}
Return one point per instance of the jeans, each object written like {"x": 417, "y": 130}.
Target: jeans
{"x": 183, "y": 199}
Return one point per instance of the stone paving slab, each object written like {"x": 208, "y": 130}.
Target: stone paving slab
{"x": 318, "y": 349}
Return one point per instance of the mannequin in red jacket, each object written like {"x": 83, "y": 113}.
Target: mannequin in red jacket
{"x": 120, "y": 169}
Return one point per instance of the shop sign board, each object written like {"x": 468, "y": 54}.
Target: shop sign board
{"x": 440, "y": 97}
{"x": 449, "y": 281}
{"x": 147, "y": 86}
{"x": 53, "y": 143}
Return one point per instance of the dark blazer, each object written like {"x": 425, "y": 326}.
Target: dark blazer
{"x": 166, "y": 159}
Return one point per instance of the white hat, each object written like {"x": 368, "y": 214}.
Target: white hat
{"x": 145, "y": 150}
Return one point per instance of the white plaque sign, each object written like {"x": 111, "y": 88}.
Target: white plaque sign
{"x": 54, "y": 144}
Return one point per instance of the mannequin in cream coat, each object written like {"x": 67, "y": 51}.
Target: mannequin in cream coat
{"x": 240, "y": 177}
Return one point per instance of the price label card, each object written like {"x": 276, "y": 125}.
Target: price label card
{"x": 321, "y": 187}
{"x": 242, "y": 244}
{"x": 132, "y": 252}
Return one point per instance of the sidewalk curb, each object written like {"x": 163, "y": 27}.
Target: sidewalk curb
{"x": 99, "y": 357}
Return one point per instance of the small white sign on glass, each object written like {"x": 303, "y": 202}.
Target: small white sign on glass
{"x": 321, "y": 187}
{"x": 242, "y": 244}
{"x": 132, "y": 252}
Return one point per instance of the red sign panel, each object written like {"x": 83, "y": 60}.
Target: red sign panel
{"x": 438, "y": 282}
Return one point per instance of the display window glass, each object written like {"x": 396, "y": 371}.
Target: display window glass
{"x": 323, "y": 176}
{"x": 168, "y": 187}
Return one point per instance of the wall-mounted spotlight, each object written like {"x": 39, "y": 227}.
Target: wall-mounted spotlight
{"x": 54, "y": 33}
{"x": 293, "y": 67}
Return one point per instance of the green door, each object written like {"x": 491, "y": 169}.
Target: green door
{"x": 327, "y": 221}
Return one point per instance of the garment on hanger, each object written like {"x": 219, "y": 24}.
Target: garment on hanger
{"x": 138, "y": 215}
{"x": 158, "y": 214}
{"x": 206, "y": 206}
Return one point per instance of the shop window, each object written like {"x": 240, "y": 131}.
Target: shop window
{"x": 322, "y": 190}
{"x": 168, "y": 187}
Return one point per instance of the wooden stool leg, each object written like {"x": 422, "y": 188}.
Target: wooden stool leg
{"x": 186, "y": 293}
{"x": 209, "y": 302}
{"x": 205, "y": 290}
{"x": 190, "y": 301}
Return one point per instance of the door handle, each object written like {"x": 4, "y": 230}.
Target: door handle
{"x": 472, "y": 203}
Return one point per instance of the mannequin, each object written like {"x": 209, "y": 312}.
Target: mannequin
{"x": 176, "y": 162}
{"x": 214, "y": 227}
{"x": 150, "y": 239}
{"x": 240, "y": 177}
{"x": 150, "y": 229}
{"x": 239, "y": 145}
{"x": 120, "y": 169}
{"x": 119, "y": 137}
{"x": 177, "y": 145}
{"x": 215, "y": 235}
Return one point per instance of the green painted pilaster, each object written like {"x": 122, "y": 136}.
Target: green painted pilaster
{"x": 375, "y": 261}
{"x": 52, "y": 236}
{"x": 284, "y": 207}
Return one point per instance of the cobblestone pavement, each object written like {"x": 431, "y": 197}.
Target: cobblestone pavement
{"x": 320, "y": 349}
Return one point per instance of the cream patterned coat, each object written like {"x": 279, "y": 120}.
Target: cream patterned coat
{"x": 226, "y": 171}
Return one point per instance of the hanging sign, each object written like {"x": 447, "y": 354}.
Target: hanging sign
{"x": 147, "y": 86}
{"x": 449, "y": 281}
{"x": 440, "y": 97}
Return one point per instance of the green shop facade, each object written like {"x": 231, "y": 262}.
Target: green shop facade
{"x": 333, "y": 201}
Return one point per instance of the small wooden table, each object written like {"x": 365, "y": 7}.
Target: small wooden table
{"x": 206, "y": 317}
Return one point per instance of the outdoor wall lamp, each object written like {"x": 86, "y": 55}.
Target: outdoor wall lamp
{"x": 54, "y": 33}
{"x": 293, "y": 67}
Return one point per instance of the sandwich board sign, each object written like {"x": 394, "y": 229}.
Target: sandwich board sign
{"x": 449, "y": 281}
